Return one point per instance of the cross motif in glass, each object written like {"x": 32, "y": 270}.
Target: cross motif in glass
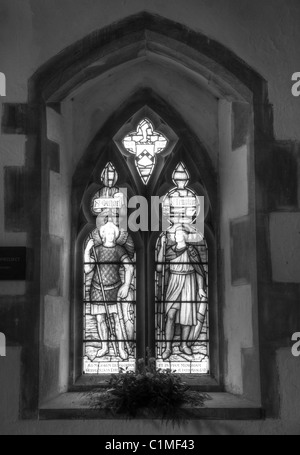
{"x": 145, "y": 144}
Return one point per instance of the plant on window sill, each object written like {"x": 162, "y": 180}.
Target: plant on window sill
{"x": 160, "y": 393}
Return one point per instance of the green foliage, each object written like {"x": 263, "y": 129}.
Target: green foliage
{"x": 161, "y": 393}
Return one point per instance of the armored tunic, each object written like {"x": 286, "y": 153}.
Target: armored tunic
{"x": 107, "y": 269}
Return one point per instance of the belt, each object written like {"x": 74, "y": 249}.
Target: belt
{"x": 183, "y": 273}
{"x": 107, "y": 287}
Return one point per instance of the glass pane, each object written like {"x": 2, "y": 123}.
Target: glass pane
{"x": 109, "y": 293}
{"x": 108, "y": 201}
{"x": 145, "y": 143}
{"x": 181, "y": 205}
{"x": 181, "y": 280}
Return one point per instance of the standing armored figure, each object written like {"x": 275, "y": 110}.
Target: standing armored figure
{"x": 107, "y": 288}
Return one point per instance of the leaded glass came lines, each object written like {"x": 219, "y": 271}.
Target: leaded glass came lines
{"x": 109, "y": 294}
{"x": 181, "y": 280}
{"x": 145, "y": 144}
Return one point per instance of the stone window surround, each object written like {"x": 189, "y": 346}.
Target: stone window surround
{"x": 41, "y": 89}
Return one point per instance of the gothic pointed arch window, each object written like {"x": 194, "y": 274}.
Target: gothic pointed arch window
{"x": 80, "y": 125}
{"x": 149, "y": 288}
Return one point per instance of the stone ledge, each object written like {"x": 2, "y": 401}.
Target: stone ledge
{"x": 222, "y": 406}
{"x": 201, "y": 383}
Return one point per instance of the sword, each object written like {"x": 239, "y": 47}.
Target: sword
{"x": 122, "y": 325}
{"x": 200, "y": 322}
{"x": 162, "y": 293}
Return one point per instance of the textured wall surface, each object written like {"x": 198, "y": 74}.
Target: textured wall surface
{"x": 265, "y": 35}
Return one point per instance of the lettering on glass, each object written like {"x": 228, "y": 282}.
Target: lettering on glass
{"x": 182, "y": 325}
{"x": 109, "y": 285}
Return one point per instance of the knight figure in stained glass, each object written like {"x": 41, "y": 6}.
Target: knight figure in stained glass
{"x": 109, "y": 285}
{"x": 107, "y": 289}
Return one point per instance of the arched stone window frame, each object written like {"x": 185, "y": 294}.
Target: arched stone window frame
{"x": 230, "y": 79}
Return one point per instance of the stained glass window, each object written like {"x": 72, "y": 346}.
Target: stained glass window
{"x": 145, "y": 144}
{"x": 181, "y": 204}
{"x": 181, "y": 280}
{"x": 109, "y": 292}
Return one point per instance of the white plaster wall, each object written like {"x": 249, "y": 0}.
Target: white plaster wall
{"x": 56, "y": 205}
{"x": 233, "y": 168}
{"x": 93, "y": 105}
{"x": 53, "y": 312}
{"x": 56, "y": 309}
{"x": 60, "y": 187}
{"x": 56, "y": 334}
{"x": 238, "y": 333}
{"x": 234, "y": 203}
{"x": 55, "y": 126}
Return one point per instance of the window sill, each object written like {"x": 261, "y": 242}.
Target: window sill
{"x": 222, "y": 406}
{"x": 205, "y": 383}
